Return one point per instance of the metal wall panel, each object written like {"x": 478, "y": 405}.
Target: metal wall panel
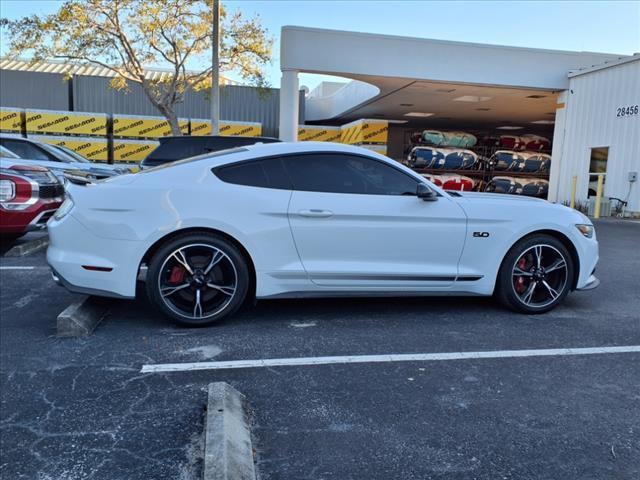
{"x": 93, "y": 94}
{"x": 33, "y": 90}
{"x": 238, "y": 103}
{"x": 591, "y": 121}
{"x": 50, "y": 91}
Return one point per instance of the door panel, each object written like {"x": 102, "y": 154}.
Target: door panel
{"x": 377, "y": 240}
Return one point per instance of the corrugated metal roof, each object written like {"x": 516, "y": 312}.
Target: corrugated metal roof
{"x": 87, "y": 70}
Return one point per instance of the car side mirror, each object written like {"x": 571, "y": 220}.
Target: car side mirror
{"x": 425, "y": 193}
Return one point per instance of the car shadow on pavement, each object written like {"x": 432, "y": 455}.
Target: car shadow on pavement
{"x": 7, "y": 244}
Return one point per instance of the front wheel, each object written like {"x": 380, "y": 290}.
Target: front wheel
{"x": 535, "y": 275}
{"x": 198, "y": 279}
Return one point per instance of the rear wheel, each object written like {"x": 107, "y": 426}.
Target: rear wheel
{"x": 198, "y": 279}
{"x": 535, "y": 275}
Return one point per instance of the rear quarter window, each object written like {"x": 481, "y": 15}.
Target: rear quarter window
{"x": 266, "y": 173}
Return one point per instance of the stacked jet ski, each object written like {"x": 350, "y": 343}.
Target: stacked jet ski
{"x": 529, "y": 142}
{"x": 532, "y": 187}
{"x": 443, "y": 150}
{"x": 450, "y": 152}
{"x": 530, "y": 162}
{"x": 525, "y": 162}
{"x": 450, "y": 181}
{"x": 440, "y": 150}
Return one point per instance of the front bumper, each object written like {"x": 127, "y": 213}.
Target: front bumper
{"x": 34, "y": 217}
{"x": 592, "y": 283}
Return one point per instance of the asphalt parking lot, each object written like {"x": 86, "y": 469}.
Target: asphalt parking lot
{"x": 82, "y": 409}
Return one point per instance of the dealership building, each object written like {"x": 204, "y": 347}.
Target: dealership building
{"x": 577, "y": 110}
{"x": 586, "y": 104}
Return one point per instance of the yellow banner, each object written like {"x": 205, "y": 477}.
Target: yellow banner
{"x": 132, "y": 150}
{"x": 227, "y": 128}
{"x": 381, "y": 149}
{"x": 145, "y": 127}
{"x": 365, "y": 131}
{"x": 10, "y": 120}
{"x": 68, "y": 123}
{"x": 318, "y": 133}
{"x": 96, "y": 149}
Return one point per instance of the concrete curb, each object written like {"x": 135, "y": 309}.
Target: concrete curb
{"x": 28, "y": 248}
{"x": 81, "y": 318}
{"x": 228, "y": 454}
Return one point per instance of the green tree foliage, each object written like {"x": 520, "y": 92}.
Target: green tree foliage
{"x": 125, "y": 36}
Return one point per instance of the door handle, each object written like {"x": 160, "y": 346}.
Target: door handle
{"x": 315, "y": 213}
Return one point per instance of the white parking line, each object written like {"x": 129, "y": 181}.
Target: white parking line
{"x": 410, "y": 357}
{"x": 19, "y": 268}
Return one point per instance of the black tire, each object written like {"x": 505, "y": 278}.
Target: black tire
{"x": 522, "y": 286}
{"x": 11, "y": 237}
{"x": 219, "y": 292}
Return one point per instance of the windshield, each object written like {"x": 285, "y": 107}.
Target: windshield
{"x": 75, "y": 155}
{"x": 6, "y": 153}
{"x": 59, "y": 154}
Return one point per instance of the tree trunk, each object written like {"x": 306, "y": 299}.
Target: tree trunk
{"x": 173, "y": 120}
{"x": 165, "y": 110}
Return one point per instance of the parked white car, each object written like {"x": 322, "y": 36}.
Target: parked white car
{"x": 308, "y": 220}
{"x": 57, "y": 159}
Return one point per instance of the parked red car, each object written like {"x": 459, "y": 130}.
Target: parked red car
{"x": 29, "y": 196}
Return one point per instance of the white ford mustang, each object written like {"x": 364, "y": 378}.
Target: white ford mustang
{"x": 311, "y": 219}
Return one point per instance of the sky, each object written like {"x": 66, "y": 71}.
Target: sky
{"x": 596, "y": 26}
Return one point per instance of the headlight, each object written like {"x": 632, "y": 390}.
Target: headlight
{"x": 586, "y": 230}
{"x": 64, "y": 209}
{"x": 7, "y": 190}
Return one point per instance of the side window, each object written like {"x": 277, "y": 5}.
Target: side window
{"x": 341, "y": 173}
{"x": 267, "y": 173}
{"x": 26, "y": 150}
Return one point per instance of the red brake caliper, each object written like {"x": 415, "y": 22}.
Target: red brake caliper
{"x": 177, "y": 274}
{"x": 520, "y": 286}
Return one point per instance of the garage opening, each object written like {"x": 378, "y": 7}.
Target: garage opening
{"x": 466, "y": 137}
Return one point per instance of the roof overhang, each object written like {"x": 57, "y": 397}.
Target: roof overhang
{"x": 392, "y": 63}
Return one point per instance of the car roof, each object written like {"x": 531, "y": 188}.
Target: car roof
{"x": 282, "y": 148}
{"x": 208, "y": 138}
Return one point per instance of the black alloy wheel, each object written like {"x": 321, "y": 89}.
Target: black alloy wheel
{"x": 535, "y": 275}
{"x": 198, "y": 279}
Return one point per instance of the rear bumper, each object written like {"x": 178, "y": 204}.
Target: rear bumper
{"x": 592, "y": 283}
{"x": 60, "y": 280}
{"x": 72, "y": 247}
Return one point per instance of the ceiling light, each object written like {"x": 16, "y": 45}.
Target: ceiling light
{"x": 418, "y": 114}
{"x": 471, "y": 98}
{"x": 536, "y": 96}
{"x": 509, "y": 127}
{"x": 397, "y": 121}
{"x": 544, "y": 122}
{"x": 406, "y": 104}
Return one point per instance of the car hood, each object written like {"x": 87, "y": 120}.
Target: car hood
{"x": 505, "y": 207}
{"x": 502, "y": 197}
